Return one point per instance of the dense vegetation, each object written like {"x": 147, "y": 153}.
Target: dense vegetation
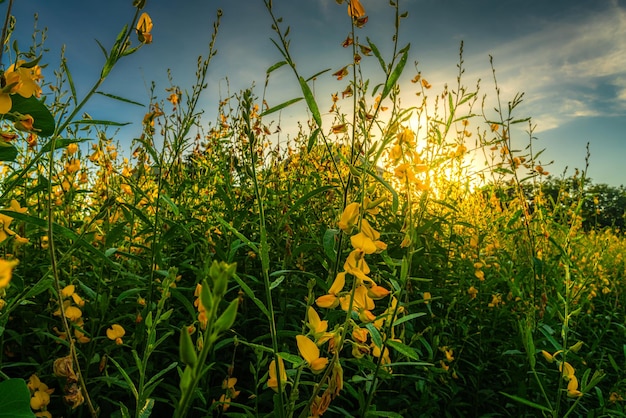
{"x": 367, "y": 267}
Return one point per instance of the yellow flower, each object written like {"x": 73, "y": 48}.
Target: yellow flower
{"x": 355, "y": 263}
{"x": 68, "y": 291}
{"x": 73, "y": 313}
{"x": 272, "y": 382}
{"x": 20, "y": 80}
{"x": 144, "y": 27}
{"x": 72, "y": 148}
{"x": 377, "y": 292}
{"x": 572, "y": 388}
{"x": 5, "y": 232}
{"x": 449, "y": 353}
{"x": 472, "y": 292}
{"x": 316, "y": 325}
{"x": 39, "y": 400}
{"x": 6, "y": 271}
{"x": 311, "y": 354}
{"x": 406, "y": 137}
{"x": 427, "y": 297}
{"x": 549, "y": 357}
{"x": 115, "y": 333}
{"x": 367, "y": 239}
{"x": 338, "y": 284}
{"x": 24, "y": 123}
{"x": 349, "y": 217}
{"x": 356, "y": 9}
{"x": 567, "y": 370}
{"x": 329, "y": 301}
{"x": 360, "y": 334}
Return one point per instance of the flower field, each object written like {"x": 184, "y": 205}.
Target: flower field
{"x": 368, "y": 266}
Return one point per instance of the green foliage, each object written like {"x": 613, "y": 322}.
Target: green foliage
{"x": 15, "y": 399}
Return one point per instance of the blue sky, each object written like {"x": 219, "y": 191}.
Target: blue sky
{"x": 567, "y": 56}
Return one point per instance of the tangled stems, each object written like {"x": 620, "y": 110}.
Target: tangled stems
{"x": 264, "y": 245}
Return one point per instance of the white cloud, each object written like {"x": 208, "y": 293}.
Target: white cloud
{"x": 562, "y": 66}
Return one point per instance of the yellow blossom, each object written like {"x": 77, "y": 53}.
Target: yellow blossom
{"x": 377, "y": 292}
{"x": 472, "y": 292}
{"x": 356, "y": 9}
{"x": 115, "y": 333}
{"x": 427, "y": 297}
{"x": 24, "y": 123}
{"x": 349, "y": 217}
{"x": 6, "y": 271}
{"x": 572, "y": 388}
{"x": 39, "y": 400}
{"x": 311, "y": 354}
{"x": 567, "y": 370}
{"x": 144, "y": 27}
{"x": 316, "y": 325}
{"x": 406, "y": 137}
{"x": 19, "y": 80}
{"x": 328, "y": 301}
{"x": 272, "y": 382}
{"x": 68, "y": 291}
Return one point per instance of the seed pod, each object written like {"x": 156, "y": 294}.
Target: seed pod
{"x": 188, "y": 353}
{"x": 227, "y": 318}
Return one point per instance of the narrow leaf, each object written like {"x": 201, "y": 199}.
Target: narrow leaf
{"x": 121, "y": 99}
{"x": 280, "y": 106}
{"x": 310, "y": 101}
{"x": 395, "y": 74}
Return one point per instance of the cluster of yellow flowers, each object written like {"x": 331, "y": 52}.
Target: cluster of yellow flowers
{"x": 20, "y": 78}
{"x": 39, "y": 396}
{"x": 5, "y": 223}
{"x": 566, "y": 369}
{"x": 72, "y": 302}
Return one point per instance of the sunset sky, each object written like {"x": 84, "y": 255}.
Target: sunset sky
{"x": 567, "y": 56}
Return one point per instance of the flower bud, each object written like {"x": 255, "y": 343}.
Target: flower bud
{"x": 188, "y": 353}
{"x": 227, "y": 318}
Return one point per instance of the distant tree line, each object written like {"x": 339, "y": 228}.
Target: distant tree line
{"x": 601, "y": 205}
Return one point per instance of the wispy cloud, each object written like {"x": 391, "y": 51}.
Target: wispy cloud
{"x": 570, "y": 68}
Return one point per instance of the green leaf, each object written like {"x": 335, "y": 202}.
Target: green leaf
{"x": 99, "y": 122}
{"x": 384, "y": 183}
{"x": 386, "y": 414}
{"x": 70, "y": 80}
{"x": 310, "y": 101}
{"x": 280, "y": 106}
{"x": 527, "y": 402}
{"x": 276, "y": 66}
{"x": 403, "y": 349}
{"x": 43, "y": 120}
{"x": 397, "y": 71}
{"x": 7, "y": 152}
{"x": 329, "y": 243}
{"x": 377, "y": 54}
{"x": 306, "y": 198}
{"x": 408, "y": 318}
{"x": 314, "y": 76}
{"x": 313, "y": 139}
{"x": 124, "y": 411}
{"x": 376, "y": 337}
{"x": 146, "y": 409}
{"x": 250, "y": 293}
{"x": 15, "y": 399}
{"x": 121, "y": 99}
